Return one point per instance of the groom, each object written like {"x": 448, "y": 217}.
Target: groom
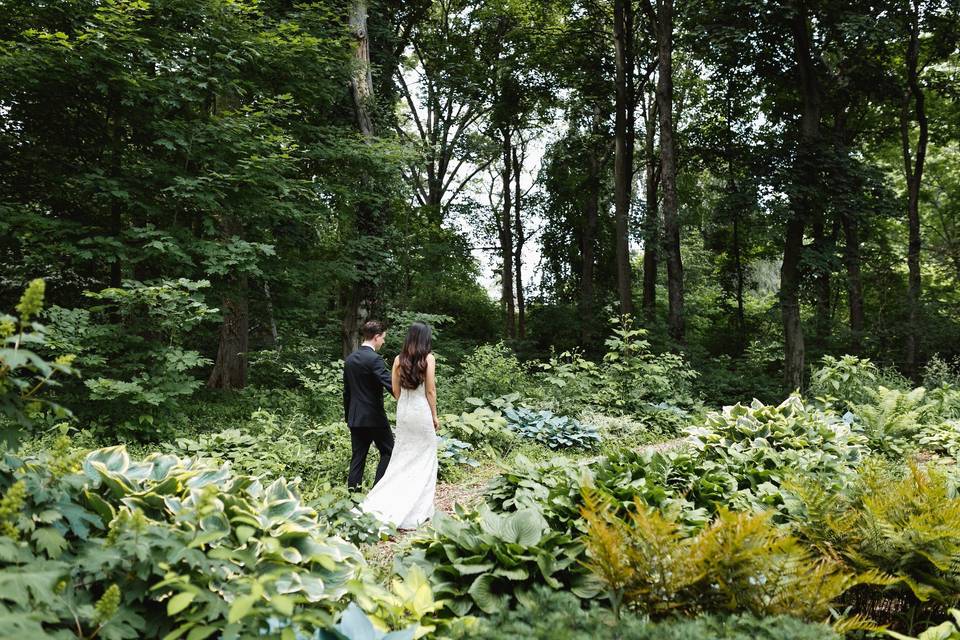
{"x": 365, "y": 376}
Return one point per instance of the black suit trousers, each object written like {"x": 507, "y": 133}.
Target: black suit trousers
{"x": 360, "y": 440}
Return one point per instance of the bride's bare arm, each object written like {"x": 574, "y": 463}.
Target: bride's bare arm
{"x": 431, "y": 389}
{"x": 395, "y": 378}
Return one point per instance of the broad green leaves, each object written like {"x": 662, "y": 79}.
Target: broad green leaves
{"x": 484, "y": 561}
{"x": 553, "y": 431}
{"x": 171, "y": 547}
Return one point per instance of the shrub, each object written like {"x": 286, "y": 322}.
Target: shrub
{"x": 23, "y": 372}
{"x": 906, "y": 525}
{"x": 844, "y": 382}
{"x": 555, "y": 432}
{"x": 132, "y": 345}
{"x": 569, "y": 380}
{"x": 740, "y": 562}
{"x": 323, "y": 383}
{"x": 490, "y": 371}
{"x": 940, "y": 373}
{"x": 551, "y": 615}
{"x": 124, "y": 549}
{"x": 632, "y": 376}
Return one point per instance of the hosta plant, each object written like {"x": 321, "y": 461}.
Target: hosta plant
{"x": 553, "y": 431}
{"x": 484, "y": 428}
{"x": 484, "y": 561}
{"x": 661, "y": 479}
{"x": 942, "y": 438}
{"x": 114, "y": 548}
{"x": 747, "y": 452}
{"x": 452, "y": 452}
{"x": 948, "y": 630}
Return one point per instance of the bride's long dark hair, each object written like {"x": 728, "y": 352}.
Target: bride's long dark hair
{"x": 413, "y": 356}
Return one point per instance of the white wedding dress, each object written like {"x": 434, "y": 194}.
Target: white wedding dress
{"x": 404, "y": 495}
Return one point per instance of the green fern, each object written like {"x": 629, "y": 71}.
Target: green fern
{"x": 905, "y": 524}
{"x": 740, "y": 562}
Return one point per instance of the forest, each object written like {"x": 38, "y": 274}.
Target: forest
{"x": 692, "y": 272}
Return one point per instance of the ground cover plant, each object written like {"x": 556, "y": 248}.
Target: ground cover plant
{"x": 109, "y": 547}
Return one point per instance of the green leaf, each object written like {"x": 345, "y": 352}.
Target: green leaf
{"x": 50, "y": 541}
{"x": 201, "y": 633}
{"x": 241, "y": 607}
{"x": 482, "y": 593}
{"x": 524, "y": 527}
{"x": 282, "y": 604}
{"x": 35, "y": 580}
{"x": 179, "y": 602}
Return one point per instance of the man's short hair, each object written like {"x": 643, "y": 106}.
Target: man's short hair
{"x": 371, "y": 329}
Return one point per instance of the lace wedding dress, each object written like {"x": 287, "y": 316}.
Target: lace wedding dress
{"x": 404, "y": 495}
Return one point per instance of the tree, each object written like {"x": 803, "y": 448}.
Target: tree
{"x": 664, "y": 25}
{"x": 625, "y": 56}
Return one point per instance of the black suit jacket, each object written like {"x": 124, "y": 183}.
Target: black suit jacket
{"x": 365, "y": 376}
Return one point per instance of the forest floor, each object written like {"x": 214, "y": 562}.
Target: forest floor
{"x": 467, "y": 493}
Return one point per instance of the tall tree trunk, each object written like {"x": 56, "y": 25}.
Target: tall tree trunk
{"x": 274, "y": 336}
{"x": 851, "y": 258}
{"x": 623, "y": 149}
{"x": 116, "y": 207}
{"x": 591, "y": 215}
{"x": 802, "y": 203}
{"x": 230, "y": 369}
{"x": 913, "y": 172}
{"x": 518, "y": 251}
{"x": 668, "y": 164}
{"x": 822, "y": 281}
{"x": 361, "y": 84}
{"x": 356, "y": 296}
{"x": 506, "y": 240}
{"x": 651, "y": 224}
{"x": 739, "y": 275}
{"x": 733, "y": 193}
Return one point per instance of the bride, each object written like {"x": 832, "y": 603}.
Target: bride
{"x": 404, "y": 495}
